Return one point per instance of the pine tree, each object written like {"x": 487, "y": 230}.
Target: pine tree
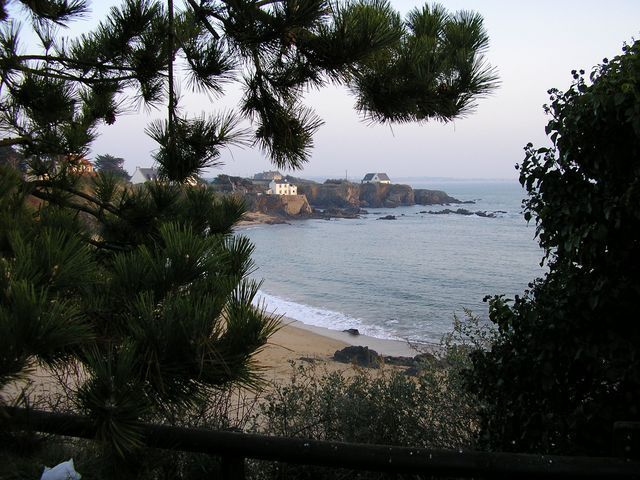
{"x": 110, "y": 164}
{"x": 145, "y": 288}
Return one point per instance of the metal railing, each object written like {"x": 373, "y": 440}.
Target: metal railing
{"x": 234, "y": 448}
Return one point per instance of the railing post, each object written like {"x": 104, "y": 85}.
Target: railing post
{"x": 232, "y": 468}
{"x": 626, "y": 440}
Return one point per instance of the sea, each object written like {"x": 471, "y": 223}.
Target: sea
{"x": 402, "y": 279}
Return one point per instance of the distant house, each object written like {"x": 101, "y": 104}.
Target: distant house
{"x": 281, "y": 187}
{"x": 270, "y": 175}
{"x": 79, "y": 166}
{"x": 142, "y": 175}
{"x": 376, "y": 178}
{"x": 71, "y": 164}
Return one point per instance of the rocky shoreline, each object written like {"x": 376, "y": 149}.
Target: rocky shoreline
{"x": 328, "y": 201}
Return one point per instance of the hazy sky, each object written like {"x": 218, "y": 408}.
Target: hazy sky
{"x": 533, "y": 44}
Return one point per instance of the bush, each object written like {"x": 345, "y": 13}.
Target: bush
{"x": 565, "y": 364}
{"x": 430, "y": 410}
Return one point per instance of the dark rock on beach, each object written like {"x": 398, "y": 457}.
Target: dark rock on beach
{"x": 365, "y": 357}
{"x": 361, "y": 356}
{"x": 388, "y": 217}
{"x": 352, "y": 331}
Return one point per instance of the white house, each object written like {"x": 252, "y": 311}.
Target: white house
{"x": 376, "y": 178}
{"x": 281, "y": 187}
{"x": 142, "y": 175}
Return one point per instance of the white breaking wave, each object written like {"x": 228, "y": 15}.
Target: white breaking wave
{"x": 319, "y": 317}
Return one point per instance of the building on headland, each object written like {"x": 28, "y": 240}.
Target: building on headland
{"x": 79, "y": 166}
{"x": 376, "y": 178}
{"x": 282, "y": 187}
{"x": 270, "y": 175}
{"x": 57, "y": 164}
{"x": 142, "y": 175}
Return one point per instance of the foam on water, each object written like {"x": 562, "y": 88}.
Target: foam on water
{"x": 319, "y": 317}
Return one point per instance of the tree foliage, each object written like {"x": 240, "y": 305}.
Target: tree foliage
{"x": 429, "y": 66}
{"x": 144, "y": 289}
{"x": 565, "y": 366}
{"x": 109, "y": 163}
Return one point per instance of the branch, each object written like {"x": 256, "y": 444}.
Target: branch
{"x": 71, "y": 62}
{"x": 203, "y": 18}
{"x": 62, "y": 76}
{"x": 7, "y": 142}
{"x": 263, "y": 3}
{"x": 53, "y": 199}
{"x": 105, "y": 206}
{"x": 106, "y": 245}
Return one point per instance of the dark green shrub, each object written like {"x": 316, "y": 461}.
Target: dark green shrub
{"x": 565, "y": 365}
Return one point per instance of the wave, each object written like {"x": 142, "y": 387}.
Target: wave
{"x": 319, "y": 317}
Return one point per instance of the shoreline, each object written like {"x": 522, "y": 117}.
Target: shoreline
{"x": 383, "y": 346}
{"x": 298, "y": 342}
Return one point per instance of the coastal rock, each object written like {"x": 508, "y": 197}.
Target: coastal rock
{"x": 435, "y": 197}
{"x": 283, "y": 205}
{"x": 331, "y": 195}
{"x": 361, "y": 356}
{"x": 378, "y": 195}
{"x": 388, "y": 217}
{"x": 352, "y": 331}
{"x": 334, "y": 212}
{"x": 464, "y": 211}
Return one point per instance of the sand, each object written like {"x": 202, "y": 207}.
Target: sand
{"x": 299, "y": 342}
{"x": 294, "y": 342}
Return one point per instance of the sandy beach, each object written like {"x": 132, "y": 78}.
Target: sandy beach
{"x": 299, "y": 342}
{"x": 294, "y": 342}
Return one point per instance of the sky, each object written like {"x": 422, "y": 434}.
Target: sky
{"x": 533, "y": 44}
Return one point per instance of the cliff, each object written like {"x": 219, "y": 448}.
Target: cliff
{"x": 378, "y": 195}
{"x": 279, "y": 205}
{"x": 370, "y": 195}
{"x": 434, "y": 197}
{"x": 331, "y": 195}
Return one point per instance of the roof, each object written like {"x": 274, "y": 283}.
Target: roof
{"x": 149, "y": 173}
{"x": 381, "y": 176}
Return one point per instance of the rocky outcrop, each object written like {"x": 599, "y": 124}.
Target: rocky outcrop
{"x": 365, "y": 357}
{"x": 464, "y": 211}
{"x": 331, "y": 195}
{"x": 378, "y": 195}
{"x": 282, "y": 205}
{"x": 434, "y": 197}
{"x": 347, "y": 195}
{"x": 361, "y": 356}
{"x": 332, "y": 199}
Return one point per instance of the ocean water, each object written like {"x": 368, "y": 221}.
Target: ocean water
{"x": 404, "y": 278}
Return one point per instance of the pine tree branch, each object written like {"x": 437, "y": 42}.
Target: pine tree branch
{"x": 107, "y": 245}
{"x": 71, "y": 62}
{"x": 61, "y": 76}
{"x": 90, "y": 198}
{"x": 42, "y": 195}
{"x": 263, "y": 3}
{"x": 199, "y": 11}
{"x": 7, "y": 142}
